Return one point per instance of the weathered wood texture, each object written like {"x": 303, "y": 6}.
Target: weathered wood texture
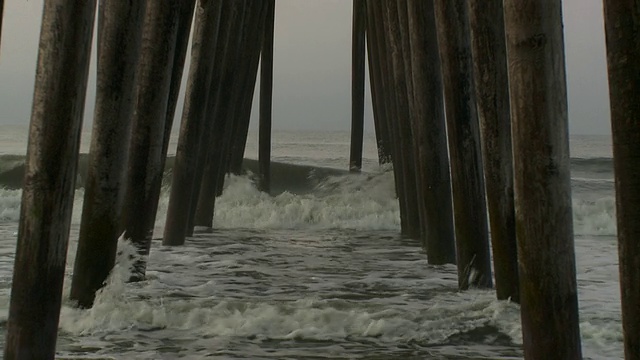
{"x": 469, "y": 206}
{"x": 357, "y": 83}
{"x": 51, "y": 162}
{"x": 235, "y": 32}
{"x": 544, "y": 224}
{"x": 405, "y": 163}
{"x": 492, "y": 96}
{"x": 193, "y": 117}
{"x": 250, "y": 60}
{"x": 622, "y": 24}
{"x": 119, "y": 38}
{"x": 379, "y": 110}
{"x": 375, "y": 14}
{"x": 223, "y": 97}
{"x": 266, "y": 100}
{"x": 182, "y": 40}
{"x": 429, "y": 129}
{"x": 145, "y": 168}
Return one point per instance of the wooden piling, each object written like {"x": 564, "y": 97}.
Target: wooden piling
{"x": 1, "y": 16}
{"x": 376, "y": 16}
{"x": 623, "y": 55}
{"x": 50, "y": 173}
{"x": 230, "y": 32}
{"x": 429, "y": 126}
{"x": 492, "y": 96}
{"x": 469, "y": 206}
{"x": 200, "y": 72}
{"x": 544, "y": 224}
{"x": 266, "y": 100}
{"x": 377, "y": 97}
{"x": 405, "y": 162}
{"x": 357, "y": 84}
{"x": 119, "y": 37}
{"x": 249, "y": 75}
{"x": 145, "y": 169}
{"x": 185, "y": 19}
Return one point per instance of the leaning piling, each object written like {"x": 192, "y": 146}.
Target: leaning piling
{"x": 544, "y": 223}
{"x": 145, "y": 168}
{"x": 357, "y": 83}
{"x": 492, "y": 96}
{"x": 193, "y": 117}
{"x": 471, "y": 228}
{"x": 119, "y": 37}
{"x": 266, "y": 100}
{"x": 429, "y": 131}
{"x": 623, "y": 57}
{"x": 50, "y": 173}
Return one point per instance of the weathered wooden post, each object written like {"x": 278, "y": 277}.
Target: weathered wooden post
{"x": 266, "y": 100}
{"x": 399, "y": 95}
{"x": 357, "y": 84}
{"x": 492, "y": 95}
{"x": 429, "y": 126}
{"x": 232, "y": 18}
{"x": 203, "y": 50}
{"x": 544, "y": 224}
{"x": 472, "y": 237}
{"x": 119, "y": 34}
{"x": 248, "y": 76}
{"x": 220, "y": 116}
{"x": 47, "y": 196}
{"x": 377, "y": 17}
{"x": 622, "y": 21}
{"x": 383, "y": 140}
{"x": 145, "y": 168}
{"x": 379, "y": 123}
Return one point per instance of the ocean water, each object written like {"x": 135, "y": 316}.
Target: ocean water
{"x": 320, "y": 274}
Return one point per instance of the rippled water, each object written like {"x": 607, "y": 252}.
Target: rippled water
{"x": 323, "y": 275}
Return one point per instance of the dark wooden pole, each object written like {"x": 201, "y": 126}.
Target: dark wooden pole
{"x": 266, "y": 100}
{"x": 249, "y": 75}
{"x": 399, "y": 95}
{"x": 1, "y": 16}
{"x": 544, "y": 224}
{"x": 376, "y": 17}
{"x": 379, "y": 111}
{"x": 492, "y": 95}
{"x": 430, "y": 136}
{"x": 47, "y": 195}
{"x": 469, "y": 206}
{"x": 223, "y": 97}
{"x": 228, "y": 35}
{"x": 200, "y": 72}
{"x": 119, "y": 35}
{"x": 152, "y": 97}
{"x": 622, "y": 21}
{"x": 357, "y": 84}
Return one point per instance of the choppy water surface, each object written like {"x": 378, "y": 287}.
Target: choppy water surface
{"x": 320, "y": 275}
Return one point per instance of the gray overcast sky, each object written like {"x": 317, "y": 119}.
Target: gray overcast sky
{"x": 312, "y": 64}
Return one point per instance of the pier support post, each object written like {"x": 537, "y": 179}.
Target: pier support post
{"x": 119, "y": 35}
{"x": 544, "y": 224}
{"x": 200, "y": 73}
{"x": 469, "y": 206}
{"x": 383, "y": 140}
{"x": 357, "y": 84}
{"x": 145, "y": 168}
{"x": 399, "y": 96}
{"x": 51, "y": 163}
{"x": 492, "y": 95}
{"x": 430, "y": 136}
{"x": 266, "y": 100}
{"x": 622, "y": 20}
